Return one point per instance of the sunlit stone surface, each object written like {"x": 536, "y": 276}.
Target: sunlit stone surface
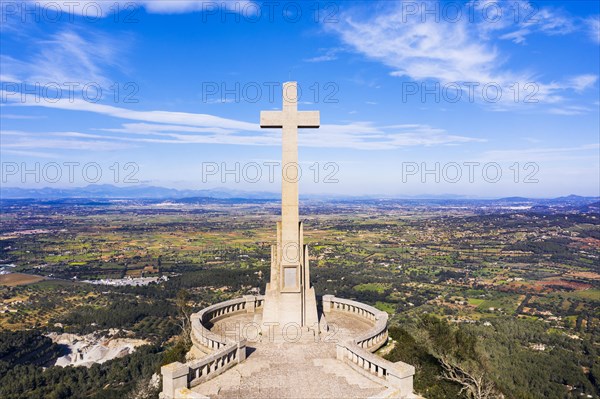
{"x": 292, "y": 369}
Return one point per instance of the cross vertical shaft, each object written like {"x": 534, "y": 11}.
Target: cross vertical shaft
{"x": 290, "y": 173}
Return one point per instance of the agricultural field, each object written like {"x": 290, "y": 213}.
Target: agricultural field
{"x": 16, "y": 279}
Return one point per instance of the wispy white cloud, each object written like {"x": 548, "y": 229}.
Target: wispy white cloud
{"x": 593, "y": 25}
{"x": 220, "y": 101}
{"x": 569, "y": 110}
{"x": 327, "y": 55}
{"x": 28, "y": 141}
{"x": 354, "y": 136}
{"x": 33, "y": 154}
{"x": 357, "y": 135}
{"x": 517, "y": 36}
{"x": 461, "y": 51}
{"x": 66, "y": 58}
{"x": 543, "y": 154}
{"x": 550, "y": 21}
{"x": 183, "y": 6}
{"x": 581, "y": 82}
{"x": 98, "y": 9}
{"x": 416, "y": 49}
{"x": 6, "y": 77}
{"x": 159, "y": 129}
{"x": 368, "y": 136}
{"x": 182, "y": 118}
{"x": 515, "y": 21}
{"x": 169, "y": 127}
{"x": 22, "y": 117}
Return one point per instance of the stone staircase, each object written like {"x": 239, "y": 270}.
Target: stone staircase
{"x": 291, "y": 370}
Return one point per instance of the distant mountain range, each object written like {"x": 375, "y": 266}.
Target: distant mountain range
{"x": 108, "y": 191}
{"x": 127, "y": 192}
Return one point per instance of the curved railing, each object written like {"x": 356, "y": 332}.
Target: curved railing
{"x": 224, "y": 352}
{"x": 358, "y": 352}
{"x": 215, "y": 363}
{"x": 201, "y": 334}
{"x": 377, "y": 336}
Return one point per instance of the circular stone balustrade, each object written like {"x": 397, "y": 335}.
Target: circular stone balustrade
{"x": 226, "y": 347}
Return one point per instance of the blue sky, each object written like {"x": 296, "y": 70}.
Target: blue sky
{"x": 163, "y": 90}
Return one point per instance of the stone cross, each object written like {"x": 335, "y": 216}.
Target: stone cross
{"x": 289, "y": 120}
{"x": 289, "y": 297}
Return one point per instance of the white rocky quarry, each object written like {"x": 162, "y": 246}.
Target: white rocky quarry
{"x": 86, "y": 350}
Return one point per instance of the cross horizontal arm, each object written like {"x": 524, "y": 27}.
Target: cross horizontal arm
{"x": 309, "y": 119}
{"x": 301, "y": 119}
{"x": 271, "y": 119}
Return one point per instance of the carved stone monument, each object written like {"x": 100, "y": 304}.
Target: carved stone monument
{"x": 289, "y": 296}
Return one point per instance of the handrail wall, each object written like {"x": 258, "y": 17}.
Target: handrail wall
{"x": 358, "y": 352}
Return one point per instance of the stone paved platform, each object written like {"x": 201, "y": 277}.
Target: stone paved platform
{"x": 292, "y": 370}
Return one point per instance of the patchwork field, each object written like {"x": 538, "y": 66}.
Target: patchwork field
{"x": 15, "y": 279}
